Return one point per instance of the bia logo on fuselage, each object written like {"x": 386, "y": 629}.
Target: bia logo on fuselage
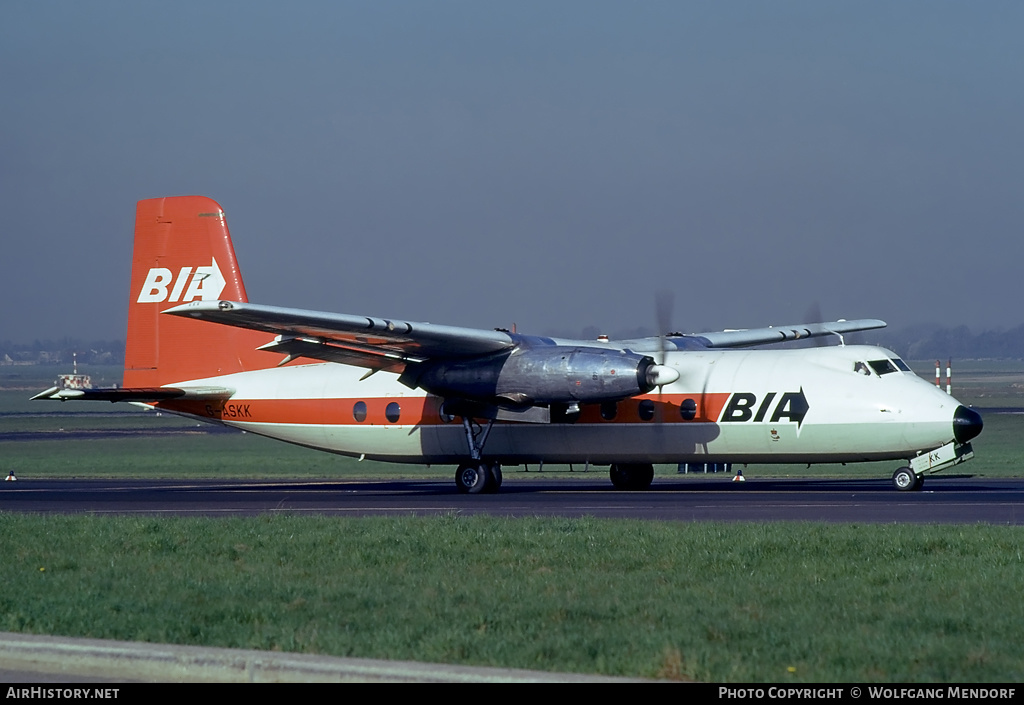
{"x": 204, "y": 283}
{"x": 744, "y": 406}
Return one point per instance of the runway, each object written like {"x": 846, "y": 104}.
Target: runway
{"x": 945, "y": 500}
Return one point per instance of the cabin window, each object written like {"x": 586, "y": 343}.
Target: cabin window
{"x": 688, "y": 409}
{"x": 882, "y": 367}
{"x": 608, "y": 410}
{"x": 646, "y": 410}
{"x": 392, "y": 412}
{"x": 359, "y": 411}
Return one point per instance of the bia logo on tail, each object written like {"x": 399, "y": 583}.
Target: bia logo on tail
{"x": 205, "y": 283}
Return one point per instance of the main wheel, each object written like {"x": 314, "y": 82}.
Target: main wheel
{"x": 471, "y": 478}
{"x": 619, "y": 476}
{"x": 645, "y": 476}
{"x": 905, "y": 480}
{"x": 493, "y": 478}
{"x": 631, "y": 477}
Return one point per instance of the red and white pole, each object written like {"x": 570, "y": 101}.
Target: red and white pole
{"x": 949, "y": 376}
{"x": 938, "y": 375}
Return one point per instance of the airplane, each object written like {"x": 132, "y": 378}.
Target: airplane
{"x": 406, "y": 392}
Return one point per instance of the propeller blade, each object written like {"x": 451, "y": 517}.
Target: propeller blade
{"x": 659, "y": 375}
{"x": 663, "y": 303}
{"x": 813, "y": 315}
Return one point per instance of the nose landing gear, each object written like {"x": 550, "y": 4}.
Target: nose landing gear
{"x": 906, "y": 480}
{"x": 911, "y": 478}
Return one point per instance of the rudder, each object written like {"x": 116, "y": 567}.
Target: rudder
{"x": 183, "y": 252}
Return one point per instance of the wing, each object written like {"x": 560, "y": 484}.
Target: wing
{"x": 378, "y": 344}
{"x": 374, "y": 343}
{"x": 781, "y": 334}
{"x": 748, "y": 337}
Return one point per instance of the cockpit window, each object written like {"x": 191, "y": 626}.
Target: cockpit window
{"x": 882, "y": 367}
{"x": 902, "y": 365}
{"x": 861, "y": 368}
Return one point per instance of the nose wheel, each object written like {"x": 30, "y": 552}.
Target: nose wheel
{"x": 906, "y": 480}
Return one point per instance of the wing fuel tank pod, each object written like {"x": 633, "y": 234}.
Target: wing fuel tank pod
{"x": 546, "y": 375}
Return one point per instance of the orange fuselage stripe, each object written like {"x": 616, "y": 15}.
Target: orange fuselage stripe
{"x": 426, "y": 410}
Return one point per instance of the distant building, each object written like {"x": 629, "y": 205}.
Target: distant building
{"x": 74, "y": 380}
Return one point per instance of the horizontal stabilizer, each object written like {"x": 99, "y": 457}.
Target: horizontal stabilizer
{"x": 113, "y": 394}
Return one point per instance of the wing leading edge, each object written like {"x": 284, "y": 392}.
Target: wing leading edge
{"x": 782, "y": 334}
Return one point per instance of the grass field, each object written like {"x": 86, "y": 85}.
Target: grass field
{"x": 702, "y": 601}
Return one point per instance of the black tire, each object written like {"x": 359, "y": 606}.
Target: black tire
{"x": 631, "y": 477}
{"x": 493, "y": 479}
{"x": 905, "y": 480}
{"x": 471, "y": 478}
{"x": 645, "y": 476}
{"x": 620, "y": 477}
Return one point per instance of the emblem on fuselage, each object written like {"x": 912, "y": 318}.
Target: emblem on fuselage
{"x": 745, "y": 406}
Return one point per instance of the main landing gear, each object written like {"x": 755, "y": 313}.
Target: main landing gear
{"x": 632, "y": 477}
{"x": 477, "y": 475}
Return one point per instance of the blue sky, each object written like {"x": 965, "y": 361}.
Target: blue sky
{"x": 552, "y": 164}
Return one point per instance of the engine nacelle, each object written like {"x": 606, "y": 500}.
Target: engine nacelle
{"x": 543, "y": 375}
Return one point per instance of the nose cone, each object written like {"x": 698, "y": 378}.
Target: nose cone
{"x": 967, "y": 424}
{"x": 658, "y": 375}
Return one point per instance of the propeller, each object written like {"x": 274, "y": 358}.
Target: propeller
{"x": 813, "y": 315}
{"x": 661, "y": 374}
{"x": 663, "y": 302}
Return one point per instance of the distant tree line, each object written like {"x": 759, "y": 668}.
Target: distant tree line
{"x": 933, "y": 341}
{"x": 62, "y": 352}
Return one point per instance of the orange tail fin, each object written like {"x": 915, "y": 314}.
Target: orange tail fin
{"x": 183, "y": 252}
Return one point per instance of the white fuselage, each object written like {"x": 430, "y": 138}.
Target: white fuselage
{"x": 811, "y": 405}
